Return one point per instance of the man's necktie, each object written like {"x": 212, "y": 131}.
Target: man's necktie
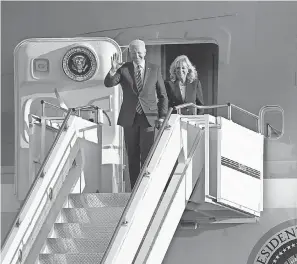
{"x": 139, "y": 88}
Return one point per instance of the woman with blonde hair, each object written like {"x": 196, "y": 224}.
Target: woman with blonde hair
{"x": 184, "y": 85}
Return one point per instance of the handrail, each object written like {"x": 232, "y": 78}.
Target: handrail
{"x": 143, "y": 172}
{"x": 96, "y": 108}
{"x": 152, "y": 150}
{"x": 38, "y": 119}
{"x": 186, "y": 166}
{"x": 245, "y": 111}
{"x": 79, "y": 108}
{"x": 87, "y": 107}
{"x": 229, "y": 105}
{"x": 43, "y": 102}
{"x": 199, "y": 106}
{"x": 179, "y": 107}
{"x": 40, "y": 174}
{"x": 141, "y": 175}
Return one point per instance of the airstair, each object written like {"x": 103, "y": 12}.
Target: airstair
{"x": 201, "y": 169}
{"x": 196, "y": 172}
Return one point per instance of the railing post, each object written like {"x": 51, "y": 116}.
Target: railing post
{"x": 42, "y": 138}
{"x": 32, "y": 147}
{"x": 42, "y": 108}
{"x": 43, "y": 124}
{"x": 229, "y": 111}
{"x": 206, "y": 153}
{"x": 96, "y": 114}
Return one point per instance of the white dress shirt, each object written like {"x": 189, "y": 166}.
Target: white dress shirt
{"x": 182, "y": 88}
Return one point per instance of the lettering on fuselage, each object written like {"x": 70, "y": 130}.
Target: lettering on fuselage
{"x": 277, "y": 246}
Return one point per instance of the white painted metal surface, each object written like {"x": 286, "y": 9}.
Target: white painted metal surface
{"x": 147, "y": 197}
{"x": 173, "y": 202}
{"x": 152, "y": 217}
{"x": 34, "y": 206}
{"x": 165, "y": 223}
{"x": 33, "y": 84}
{"x": 244, "y": 150}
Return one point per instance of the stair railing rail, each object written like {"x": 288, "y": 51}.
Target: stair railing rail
{"x": 144, "y": 172}
{"x": 71, "y": 111}
{"x": 139, "y": 179}
{"x": 40, "y": 174}
{"x": 74, "y": 111}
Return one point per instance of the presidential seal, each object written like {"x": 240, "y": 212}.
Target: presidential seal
{"x": 79, "y": 64}
{"x": 277, "y": 246}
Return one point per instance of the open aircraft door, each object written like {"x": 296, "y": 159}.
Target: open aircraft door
{"x": 74, "y": 70}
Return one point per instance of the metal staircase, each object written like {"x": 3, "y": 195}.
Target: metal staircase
{"x": 72, "y": 225}
{"x": 83, "y": 228}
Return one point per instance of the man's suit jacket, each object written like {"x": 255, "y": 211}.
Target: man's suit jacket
{"x": 193, "y": 95}
{"x": 153, "y": 97}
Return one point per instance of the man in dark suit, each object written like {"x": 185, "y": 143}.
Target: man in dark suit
{"x": 145, "y": 103}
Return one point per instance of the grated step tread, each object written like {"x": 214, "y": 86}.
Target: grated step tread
{"x": 85, "y": 258}
{"x": 100, "y": 216}
{"x": 77, "y": 245}
{"x": 77, "y": 230}
{"x": 85, "y": 200}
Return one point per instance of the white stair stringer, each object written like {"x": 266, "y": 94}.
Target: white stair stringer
{"x": 171, "y": 208}
{"x": 88, "y": 225}
{"x": 47, "y": 190}
{"x": 83, "y": 231}
{"x": 128, "y": 237}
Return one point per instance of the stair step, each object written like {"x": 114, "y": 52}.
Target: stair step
{"x": 85, "y": 200}
{"x": 76, "y": 245}
{"x": 83, "y": 231}
{"x": 85, "y": 258}
{"x": 76, "y": 230}
{"x": 104, "y": 216}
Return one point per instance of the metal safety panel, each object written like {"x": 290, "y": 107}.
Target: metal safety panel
{"x": 240, "y": 178}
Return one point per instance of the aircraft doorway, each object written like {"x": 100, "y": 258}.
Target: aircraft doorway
{"x": 203, "y": 55}
{"x": 205, "y": 58}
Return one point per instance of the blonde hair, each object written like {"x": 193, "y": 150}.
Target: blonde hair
{"x": 192, "y": 74}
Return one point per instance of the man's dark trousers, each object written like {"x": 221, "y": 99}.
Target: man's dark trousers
{"x": 139, "y": 139}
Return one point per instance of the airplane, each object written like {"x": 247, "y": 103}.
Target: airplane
{"x": 232, "y": 198}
